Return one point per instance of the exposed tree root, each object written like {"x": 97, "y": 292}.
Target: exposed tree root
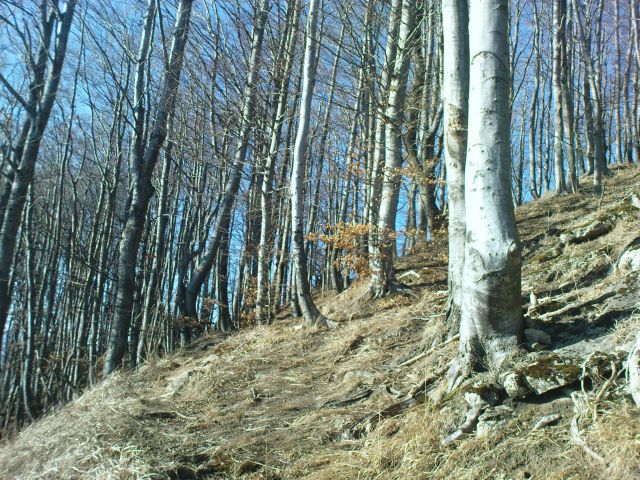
{"x": 577, "y": 306}
{"x": 392, "y": 287}
{"x": 466, "y": 428}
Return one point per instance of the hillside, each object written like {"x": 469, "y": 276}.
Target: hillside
{"x": 367, "y": 399}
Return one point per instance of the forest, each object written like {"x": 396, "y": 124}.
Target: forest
{"x": 173, "y": 170}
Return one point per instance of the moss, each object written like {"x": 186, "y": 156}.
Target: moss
{"x": 551, "y": 366}
{"x": 547, "y": 255}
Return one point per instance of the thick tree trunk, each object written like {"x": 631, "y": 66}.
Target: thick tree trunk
{"x": 491, "y": 323}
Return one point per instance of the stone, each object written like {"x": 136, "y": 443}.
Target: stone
{"x": 481, "y": 395}
{"x": 550, "y": 373}
{"x": 533, "y": 335}
{"x": 630, "y": 260}
{"x": 514, "y": 385}
{"x": 592, "y": 231}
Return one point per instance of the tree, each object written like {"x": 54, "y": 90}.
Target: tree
{"x": 232, "y": 185}
{"x": 491, "y": 318}
{"x": 455, "y": 29}
{"x": 45, "y": 75}
{"x": 593, "y": 96}
{"x": 143, "y": 162}
{"x": 309, "y": 310}
{"x": 382, "y": 270}
{"x": 559, "y": 19}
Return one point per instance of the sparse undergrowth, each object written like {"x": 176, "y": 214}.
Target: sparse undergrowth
{"x": 282, "y": 402}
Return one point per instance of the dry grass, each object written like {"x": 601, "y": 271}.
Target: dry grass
{"x": 273, "y": 402}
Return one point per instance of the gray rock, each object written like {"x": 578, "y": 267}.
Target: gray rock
{"x": 630, "y": 260}
{"x": 481, "y": 395}
{"x": 533, "y": 335}
{"x": 550, "y": 373}
{"x": 514, "y": 385}
{"x": 592, "y": 231}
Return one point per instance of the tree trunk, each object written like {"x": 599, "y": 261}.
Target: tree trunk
{"x": 559, "y": 18}
{"x": 455, "y": 26}
{"x": 491, "y": 321}
{"x": 42, "y": 95}
{"x": 383, "y": 279}
{"x": 232, "y": 186}
{"x": 142, "y": 190}
{"x": 308, "y": 308}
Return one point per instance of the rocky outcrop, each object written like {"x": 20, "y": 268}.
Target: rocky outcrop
{"x": 592, "y": 231}
{"x": 552, "y": 371}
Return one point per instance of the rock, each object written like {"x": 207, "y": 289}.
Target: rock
{"x": 481, "y": 395}
{"x": 633, "y": 366}
{"x": 550, "y": 373}
{"x": 180, "y": 380}
{"x": 492, "y": 420}
{"x": 533, "y": 335}
{"x": 592, "y": 231}
{"x": 514, "y": 385}
{"x": 630, "y": 260}
{"x": 362, "y": 377}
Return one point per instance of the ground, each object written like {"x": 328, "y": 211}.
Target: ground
{"x": 368, "y": 399}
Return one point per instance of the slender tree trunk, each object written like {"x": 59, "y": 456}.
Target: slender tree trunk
{"x": 383, "y": 279}
{"x": 599, "y": 162}
{"x": 455, "y": 28}
{"x": 142, "y": 190}
{"x": 264, "y": 309}
{"x": 559, "y": 19}
{"x": 309, "y": 310}
{"x": 232, "y": 186}
{"x": 42, "y": 95}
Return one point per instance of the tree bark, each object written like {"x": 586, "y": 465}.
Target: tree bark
{"x": 491, "y": 321}
{"x": 455, "y": 27}
{"x": 142, "y": 190}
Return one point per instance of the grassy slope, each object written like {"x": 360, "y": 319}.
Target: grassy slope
{"x": 273, "y": 402}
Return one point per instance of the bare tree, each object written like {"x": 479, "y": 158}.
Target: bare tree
{"x": 455, "y": 24}
{"x": 143, "y": 162}
{"x": 491, "y": 320}
{"x": 45, "y": 74}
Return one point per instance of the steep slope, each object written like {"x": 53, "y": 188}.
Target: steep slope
{"x": 367, "y": 400}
